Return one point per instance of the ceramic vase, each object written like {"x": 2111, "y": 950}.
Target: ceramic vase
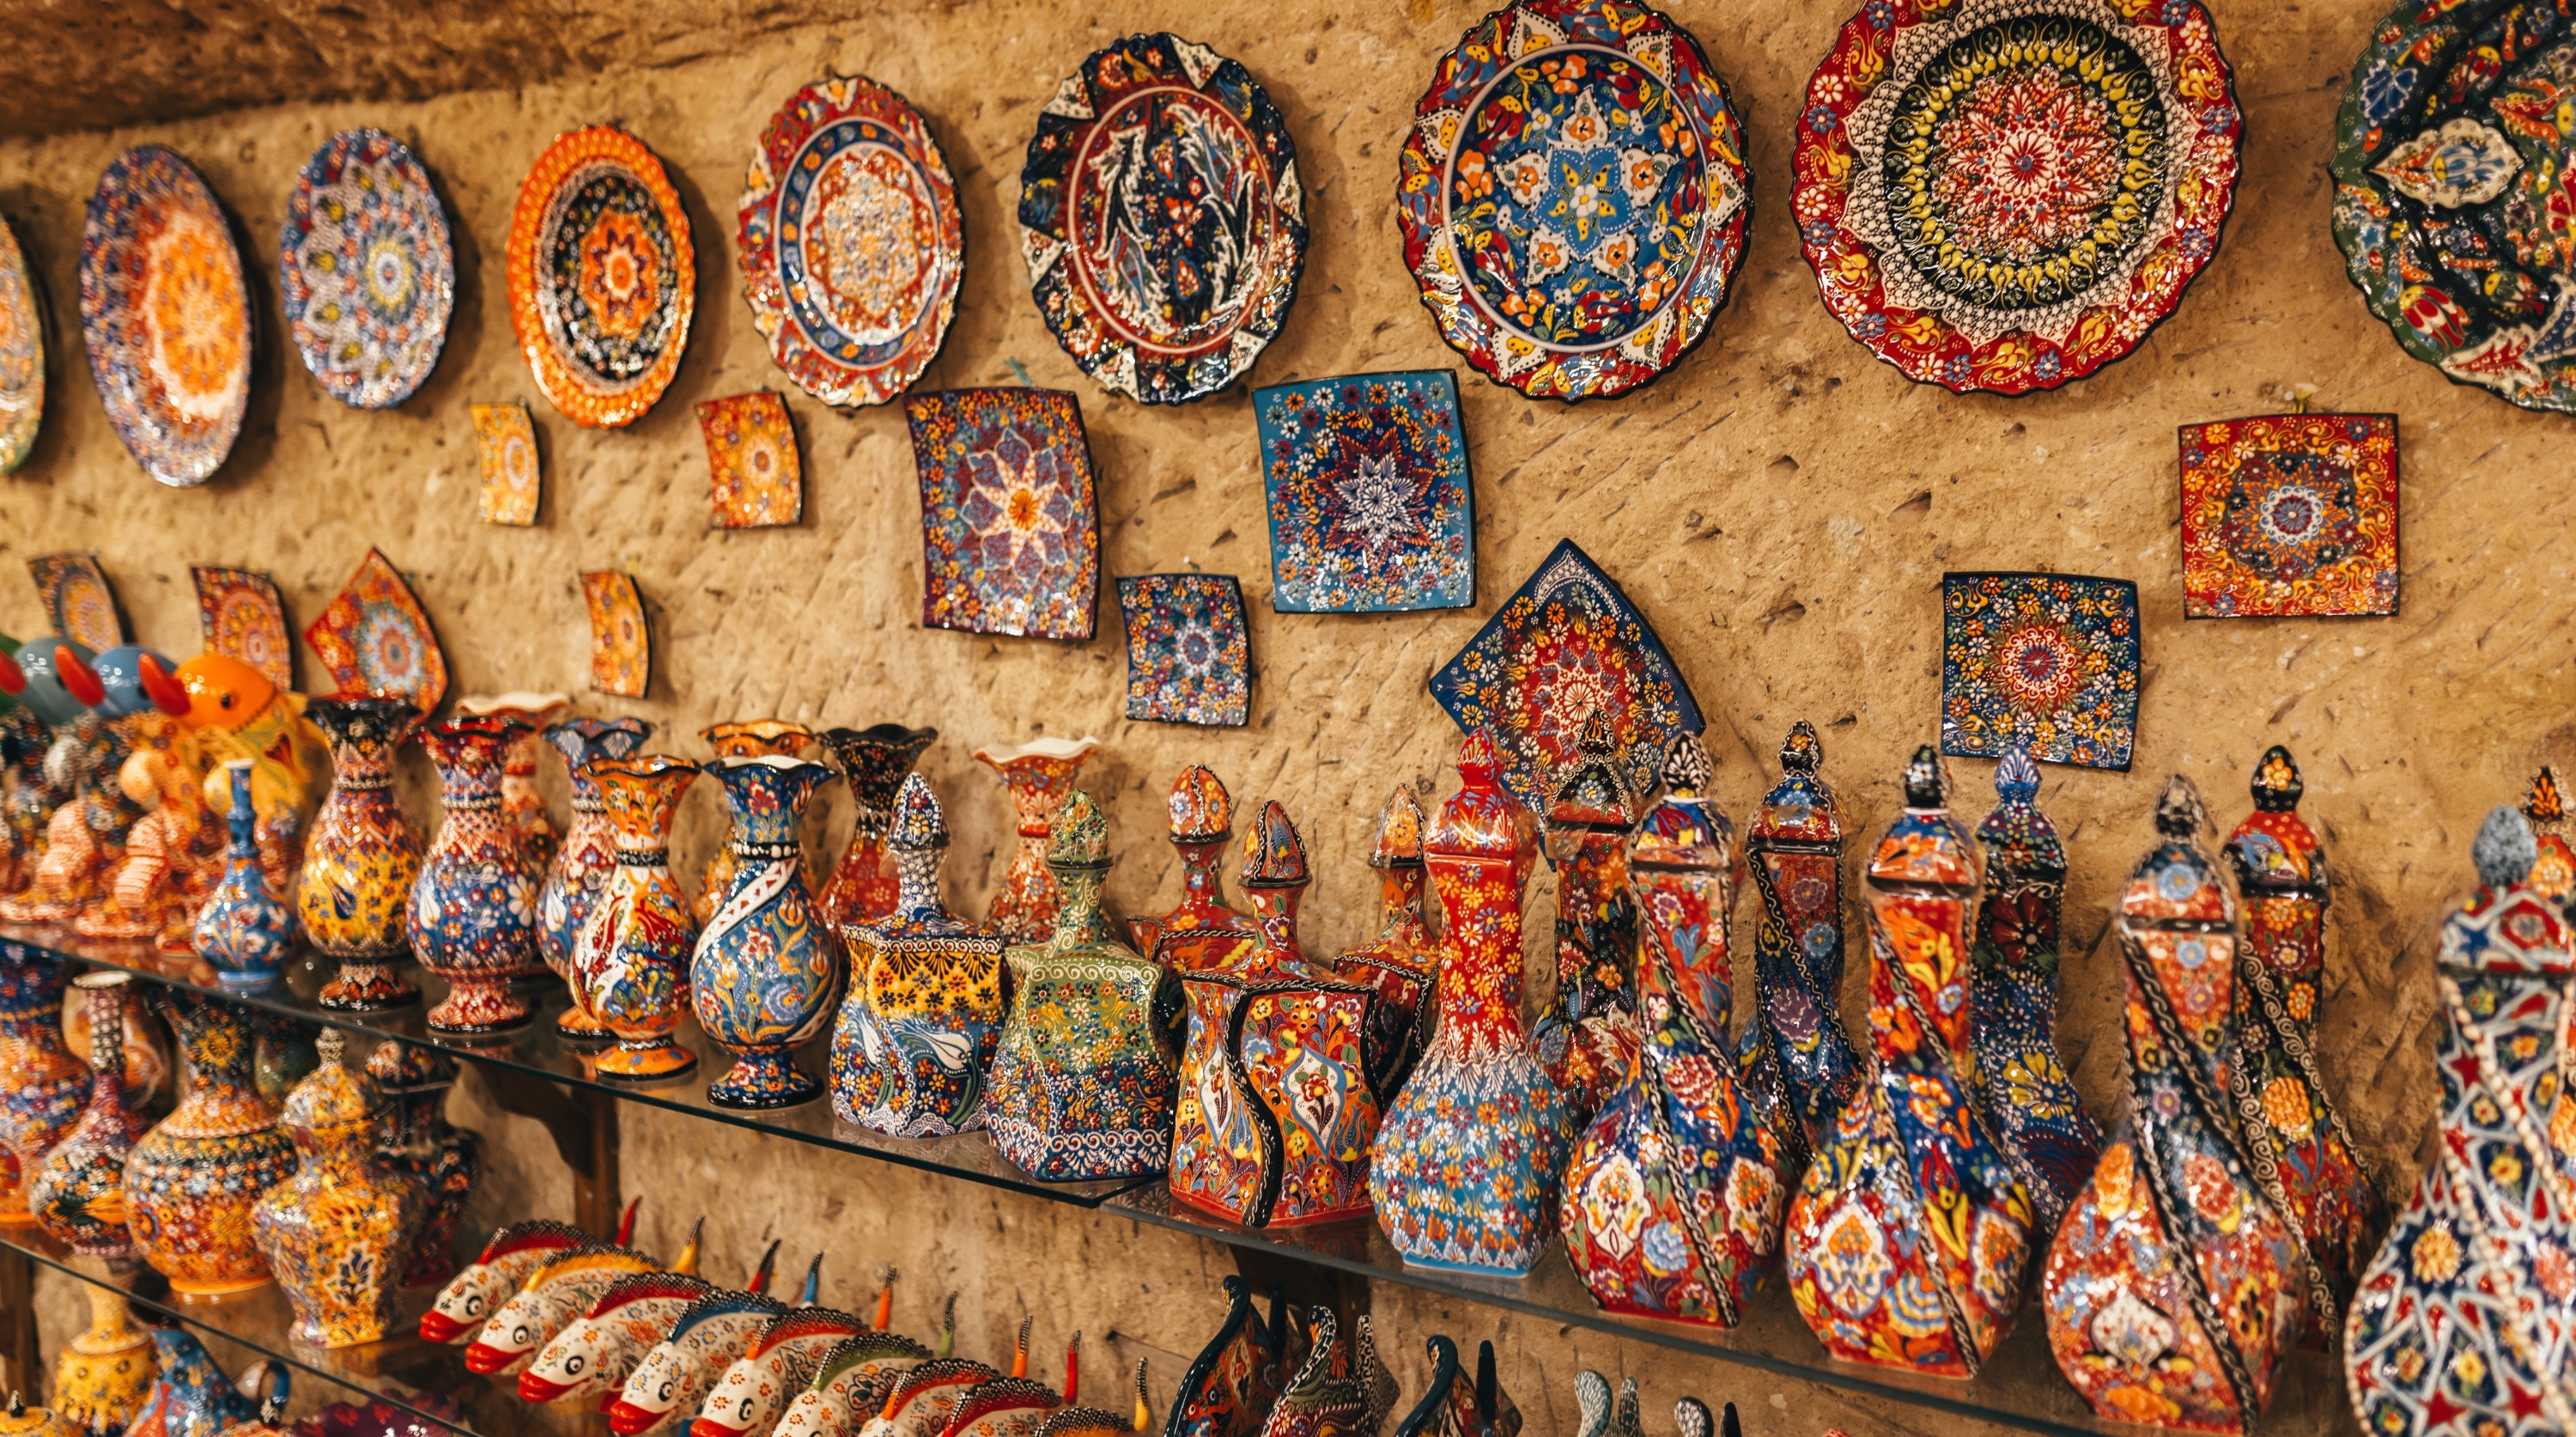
{"x": 1202, "y": 930}
{"x": 1910, "y": 1235}
{"x": 1038, "y": 773}
{"x": 1334, "y": 1393}
{"x": 764, "y": 977}
{"x": 1396, "y": 965}
{"x": 2022, "y": 1087}
{"x": 1800, "y": 1069}
{"x": 1673, "y": 1197}
{"x": 338, "y": 1234}
{"x": 446, "y": 1161}
{"x": 362, "y": 858}
{"x": 244, "y": 930}
{"x": 192, "y": 1397}
{"x": 863, "y": 886}
{"x": 191, "y": 1182}
{"x": 752, "y": 738}
{"x": 2289, "y": 1124}
{"x": 2462, "y": 1324}
{"x": 911, "y": 1047}
{"x": 1588, "y": 1038}
{"x": 521, "y": 803}
{"x": 583, "y": 860}
{"x": 1085, "y": 1074}
{"x": 78, "y": 1195}
{"x": 1465, "y": 1169}
{"x": 473, "y": 913}
{"x": 105, "y": 1373}
{"x": 630, "y": 970}
{"x": 43, "y": 1088}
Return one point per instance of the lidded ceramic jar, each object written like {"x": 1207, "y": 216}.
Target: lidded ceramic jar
{"x": 1202, "y": 930}
{"x": 362, "y": 857}
{"x": 1588, "y": 1037}
{"x": 191, "y": 1182}
{"x": 472, "y": 919}
{"x": 419, "y": 1142}
{"x": 339, "y": 1233}
{"x": 1396, "y": 964}
{"x": 1800, "y": 1069}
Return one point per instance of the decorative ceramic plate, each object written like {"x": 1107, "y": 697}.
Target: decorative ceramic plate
{"x": 243, "y": 618}
{"x": 1188, "y": 657}
{"x": 22, "y": 355}
{"x": 365, "y": 269}
{"x": 78, "y": 600}
{"x": 1161, "y": 219}
{"x": 2003, "y": 195}
{"x": 165, "y": 315}
{"x": 2289, "y": 515}
{"x": 602, "y": 278}
{"x": 2042, "y": 662}
{"x": 1010, "y": 521}
{"x": 1370, "y": 508}
{"x": 754, "y": 479}
{"x": 852, "y": 244}
{"x": 374, "y": 639}
{"x": 2451, "y": 201}
{"x": 1573, "y": 196}
{"x": 621, "y": 639}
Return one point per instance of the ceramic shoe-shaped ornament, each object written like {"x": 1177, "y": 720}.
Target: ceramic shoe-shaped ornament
{"x": 911, "y": 1048}
{"x": 864, "y": 886}
{"x": 753, "y": 1393}
{"x": 1800, "y": 1069}
{"x": 600, "y": 1349}
{"x": 1673, "y": 1198}
{"x": 338, "y": 1233}
{"x": 1453, "y": 1406}
{"x": 1466, "y": 1165}
{"x": 473, "y": 913}
{"x": 1230, "y": 1386}
{"x": 78, "y": 1192}
{"x": 1202, "y": 931}
{"x": 2293, "y": 1135}
{"x": 1589, "y": 1036}
{"x": 1910, "y": 1235}
{"x": 851, "y": 1382}
{"x": 745, "y": 738}
{"x": 2553, "y": 873}
{"x": 630, "y": 967}
{"x": 583, "y": 860}
{"x": 2022, "y": 1087}
{"x": 671, "y": 1383}
{"x": 765, "y": 976}
{"x": 1038, "y": 774}
{"x": 1013, "y": 1406}
{"x": 1084, "y": 1076}
{"x": 2465, "y": 1322}
{"x": 554, "y": 1296}
{"x": 1397, "y": 963}
{"x": 1072, "y": 1421}
{"x": 471, "y": 1297}
{"x": 2175, "y": 1285}
{"x": 1334, "y": 1393}
{"x": 192, "y": 1397}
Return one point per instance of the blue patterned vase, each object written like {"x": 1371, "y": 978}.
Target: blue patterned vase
{"x": 473, "y": 913}
{"x": 589, "y": 851}
{"x": 1799, "y": 1067}
{"x": 765, "y": 976}
{"x": 244, "y": 930}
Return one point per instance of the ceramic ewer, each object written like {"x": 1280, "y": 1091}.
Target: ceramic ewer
{"x": 78, "y": 1192}
{"x": 338, "y": 1234}
{"x": 1800, "y": 1068}
{"x": 105, "y": 1372}
{"x": 864, "y": 886}
{"x": 1084, "y": 1077}
{"x": 630, "y": 967}
{"x": 764, "y": 976}
{"x": 43, "y": 1088}
{"x": 588, "y": 851}
{"x": 749, "y": 1397}
{"x": 471, "y": 1297}
{"x": 1397, "y": 962}
{"x": 912, "y": 1045}
{"x": 600, "y": 1349}
{"x": 1231, "y": 1384}
{"x": 1673, "y": 1197}
{"x": 1910, "y": 1235}
{"x": 1202, "y": 930}
{"x": 1038, "y": 774}
{"x": 672, "y": 1380}
{"x": 2462, "y": 1324}
{"x": 191, "y": 1182}
{"x": 747, "y": 738}
{"x": 1334, "y": 1393}
{"x": 2175, "y": 1286}
{"x": 473, "y": 913}
{"x": 418, "y": 1140}
{"x": 555, "y": 1295}
{"x": 1453, "y": 1404}
{"x": 361, "y": 859}
{"x": 1588, "y": 1037}
{"x": 1466, "y": 1165}
{"x": 245, "y": 928}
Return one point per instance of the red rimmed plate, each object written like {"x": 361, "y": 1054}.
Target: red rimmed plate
{"x": 603, "y": 281}
{"x": 165, "y": 315}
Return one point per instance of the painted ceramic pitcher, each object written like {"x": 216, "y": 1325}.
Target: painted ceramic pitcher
{"x": 1465, "y": 1170}
{"x": 630, "y": 970}
{"x": 750, "y": 738}
{"x": 764, "y": 976}
{"x": 2028, "y": 1100}
{"x": 78, "y": 1194}
{"x": 190, "y": 1183}
{"x": 419, "y": 1143}
{"x": 362, "y": 858}
{"x": 1085, "y": 1074}
{"x": 2456, "y": 1329}
{"x": 338, "y": 1233}
{"x": 1038, "y": 773}
{"x": 2174, "y": 1287}
{"x": 1202, "y": 930}
{"x": 245, "y": 929}
{"x": 1673, "y": 1198}
{"x": 912, "y": 1046}
{"x": 43, "y": 1088}
{"x": 1588, "y": 1039}
{"x": 2281, "y": 872}
{"x": 1396, "y": 965}
{"x": 521, "y": 803}
{"x": 473, "y": 914}
{"x": 864, "y": 886}
{"x": 1800, "y": 1069}
{"x": 1910, "y": 1234}
{"x": 587, "y": 853}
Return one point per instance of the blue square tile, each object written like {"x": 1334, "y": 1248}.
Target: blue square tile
{"x": 1371, "y": 510}
{"x": 1189, "y": 659}
{"x": 2046, "y": 662}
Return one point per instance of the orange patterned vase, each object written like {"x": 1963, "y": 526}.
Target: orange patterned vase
{"x": 191, "y": 1182}
{"x": 863, "y": 887}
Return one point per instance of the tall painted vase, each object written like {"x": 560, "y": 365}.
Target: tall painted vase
{"x": 2174, "y": 1287}
{"x": 747, "y": 738}
{"x": 338, "y": 1233}
{"x": 191, "y": 1182}
{"x": 864, "y": 886}
{"x": 2463, "y": 1324}
{"x": 420, "y": 1143}
{"x": 1466, "y": 1166}
{"x": 1038, "y": 773}
{"x": 1588, "y": 1038}
{"x": 78, "y": 1194}
{"x": 521, "y": 803}
{"x": 1910, "y": 1235}
{"x": 1673, "y": 1198}
{"x": 583, "y": 860}
{"x": 764, "y": 976}
{"x": 245, "y": 929}
{"x": 362, "y": 858}
{"x": 473, "y": 913}
{"x": 43, "y": 1088}
{"x": 1202, "y": 930}
{"x": 1397, "y": 963}
{"x": 1800, "y": 1068}
{"x": 630, "y": 970}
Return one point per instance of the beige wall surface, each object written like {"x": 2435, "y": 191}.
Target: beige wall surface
{"x": 1781, "y": 505}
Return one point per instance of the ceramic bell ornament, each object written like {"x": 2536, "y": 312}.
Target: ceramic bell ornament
{"x": 245, "y": 928}
{"x": 1396, "y": 964}
{"x": 864, "y": 886}
{"x": 1911, "y": 1234}
{"x": 2176, "y": 1284}
{"x": 748, "y": 738}
{"x": 43, "y": 1088}
{"x": 764, "y": 976}
{"x": 1465, "y": 1169}
{"x": 630, "y": 967}
{"x": 420, "y": 1144}
{"x": 1800, "y": 1069}
{"x": 339, "y": 1233}
{"x": 1038, "y": 774}
{"x": 362, "y": 858}
{"x": 191, "y": 1181}
{"x": 472, "y": 919}
{"x": 1202, "y": 930}
{"x": 588, "y": 851}
{"x": 2462, "y": 1324}
{"x": 1588, "y": 1038}
{"x": 2553, "y": 873}
{"x": 78, "y": 1194}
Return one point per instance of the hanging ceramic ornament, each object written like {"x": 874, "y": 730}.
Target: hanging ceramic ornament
{"x": 1455, "y": 1405}
{"x": 1799, "y": 1068}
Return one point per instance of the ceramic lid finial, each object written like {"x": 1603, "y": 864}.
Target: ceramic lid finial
{"x": 1593, "y": 793}
{"x": 1273, "y": 855}
{"x": 1399, "y": 831}
{"x": 1801, "y": 751}
{"x": 1478, "y": 758}
{"x": 2179, "y": 811}
{"x": 1926, "y": 786}
{"x": 2276, "y": 781}
{"x": 2544, "y": 805}
{"x": 2505, "y": 848}
{"x": 1202, "y": 811}
{"x": 328, "y": 1045}
{"x": 1480, "y": 820}
{"x": 1687, "y": 768}
{"x": 918, "y": 822}
{"x": 1079, "y": 833}
{"x": 2016, "y": 777}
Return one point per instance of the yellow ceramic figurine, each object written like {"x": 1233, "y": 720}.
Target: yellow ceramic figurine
{"x": 238, "y": 713}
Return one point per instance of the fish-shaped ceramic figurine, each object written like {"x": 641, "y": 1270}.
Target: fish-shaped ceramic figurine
{"x": 709, "y": 1336}
{"x": 554, "y": 1295}
{"x": 471, "y": 1297}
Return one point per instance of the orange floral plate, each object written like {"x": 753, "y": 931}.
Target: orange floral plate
{"x": 165, "y": 315}
{"x": 603, "y": 281}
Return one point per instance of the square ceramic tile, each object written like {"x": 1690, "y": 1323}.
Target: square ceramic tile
{"x": 756, "y": 480}
{"x": 1371, "y": 510}
{"x": 374, "y": 638}
{"x": 244, "y": 618}
{"x": 2047, "y": 662}
{"x": 1010, "y": 530}
{"x": 2290, "y": 514}
{"x": 511, "y": 477}
{"x": 1566, "y": 643}
{"x": 1188, "y": 657}
{"x": 621, "y": 641}
{"x": 77, "y": 599}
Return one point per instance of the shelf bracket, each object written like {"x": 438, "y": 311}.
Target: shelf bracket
{"x": 584, "y": 1127}
{"x": 18, "y": 1324}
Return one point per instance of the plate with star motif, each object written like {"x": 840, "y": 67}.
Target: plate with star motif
{"x": 366, "y": 270}
{"x": 603, "y": 281}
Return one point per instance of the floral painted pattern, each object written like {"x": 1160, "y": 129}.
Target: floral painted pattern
{"x": 1370, "y": 507}
{"x": 374, "y": 639}
{"x": 243, "y": 618}
{"x": 365, "y": 269}
{"x": 2047, "y": 663}
{"x": 755, "y": 479}
{"x": 1010, "y": 531}
{"x": 165, "y": 315}
{"x": 1189, "y": 659}
{"x": 22, "y": 355}
{"x": 621, "y": 638}
{"x": 513, "y": 477}
{"x": 77, "y": 599}
{"x": 603, "y": 279}
{"x": 2290, "y": 514}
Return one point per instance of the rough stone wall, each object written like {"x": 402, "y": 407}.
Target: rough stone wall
{"x": 1782, "y": 507}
